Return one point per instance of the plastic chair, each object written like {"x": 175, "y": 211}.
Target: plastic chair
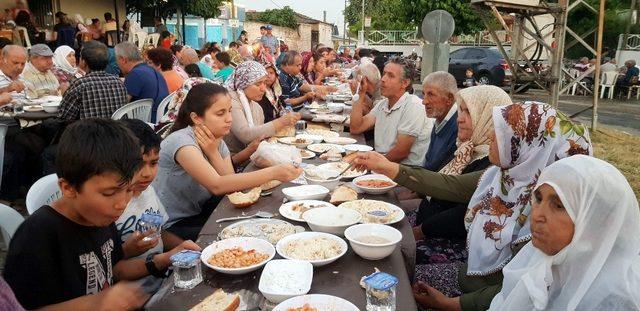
{"x": 162, "y": 107}
{"x": 43, "y": 192}
{"x": 24, "y": 36}
{"x": 3, "y": 134}
{"x": 631, "y": 88}
{"x": 10, "y": 220}
{"x": 139, "y": 109}
{"x": 153, "y": 39}
{"x": 609, "y": 80}
{"x": 140, "y": 37}
{"x": 574, "y": 73}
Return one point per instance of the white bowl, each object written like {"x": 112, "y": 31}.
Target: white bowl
{"x": 306, "y": 192}
{"x": 319, "y": 301}
{"x": 357, "y": 148}
{"x": 282, "y": 244}
{"x": 371, "y": 190}
{"x": 51, "y": 107}
{"x": 331, "y": 220}
{"x": 373, "y": 251}
{"x": 292, "y": 141}
{"x": 330, "y": 184}
{"x": 246, "y": 243}
{"x": 316, "y": 139}
{"x": 282, "y": 279}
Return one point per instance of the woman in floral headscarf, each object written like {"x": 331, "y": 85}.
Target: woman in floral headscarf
{"x": 270, "y": 103}
{"x": 246, "y": 87}
{"x": 527, "y": 138}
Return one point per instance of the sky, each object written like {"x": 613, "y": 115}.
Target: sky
{"x": 311, "y": 8}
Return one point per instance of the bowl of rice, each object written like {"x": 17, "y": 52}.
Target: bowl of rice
{"x": 318, "y": 248}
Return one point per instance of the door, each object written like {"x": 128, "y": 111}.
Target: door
{"x": 191, "y": 36}
{"x": 456, "y": 66}
{"x": 315, "y": 38}
{"x": 214, "y": 33}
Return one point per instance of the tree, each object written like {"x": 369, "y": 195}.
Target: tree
{"x": 285, "y": 17}
{"x": 466, "y": 19}
{"x": 383, "y": 13}
{"x": 167, "y": 9}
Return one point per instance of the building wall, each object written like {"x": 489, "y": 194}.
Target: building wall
{"x": 92, "y": 9}
{"x": 297, "y": 39}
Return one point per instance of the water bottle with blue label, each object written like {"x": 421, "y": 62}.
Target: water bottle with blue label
{"x": 149, "y": 221}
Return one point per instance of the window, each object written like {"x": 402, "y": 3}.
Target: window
{"x": 458, "y": 54}
{"x": 476, "y": 54}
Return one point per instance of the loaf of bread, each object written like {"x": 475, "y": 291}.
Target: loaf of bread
{"x": 241, "y": 199}
{"x": 218, "y": 301}
{"x": 343, "y": 194}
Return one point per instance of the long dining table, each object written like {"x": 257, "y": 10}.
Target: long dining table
{"x": 340, "y": 278}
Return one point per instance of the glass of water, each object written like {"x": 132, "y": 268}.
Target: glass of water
{"x": 187, "y": 272}
{"x": 381, "y": 291}
{"x": 150, "y": 221}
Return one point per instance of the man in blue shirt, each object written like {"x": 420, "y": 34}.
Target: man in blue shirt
{"x": 439, "y": 89}
{"x": 141, "y": 80}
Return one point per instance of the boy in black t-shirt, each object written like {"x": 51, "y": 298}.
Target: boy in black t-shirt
{"x": 68, "y": 255}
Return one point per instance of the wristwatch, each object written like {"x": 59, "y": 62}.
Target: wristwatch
{"x": 151, "y": 267}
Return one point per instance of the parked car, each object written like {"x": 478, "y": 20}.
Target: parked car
{"x": 488, "y": 65}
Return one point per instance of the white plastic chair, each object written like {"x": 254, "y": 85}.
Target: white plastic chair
{"x": 43, "y": 192}
{"x": 10, "y": 220}
{"x": 609, "y": 80}
{"x": 3, "y": 134}
{"x": 574, "y": 74}
{"x": 139, "y": 109}
{"x": 25, "y": 36}
{"x": 153, "y": 39}
{"x": 631, "y": 88}
{"x": 141, "y": 38}
{"x": 162, "y": 107}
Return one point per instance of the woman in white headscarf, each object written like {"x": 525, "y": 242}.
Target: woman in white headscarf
{"x": 585, "y": 244}
{"x": 246, "y": 87}
{"x": 65, "y": 67}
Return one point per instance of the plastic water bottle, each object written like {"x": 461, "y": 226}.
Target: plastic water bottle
{"x": 288, "y": 108}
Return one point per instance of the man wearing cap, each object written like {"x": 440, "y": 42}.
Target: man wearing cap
{"x": 37, "y": 74}
{"x": 270, "y": 41}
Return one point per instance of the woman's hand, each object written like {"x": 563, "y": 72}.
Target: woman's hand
{"x": 430, "y": 298}
{"x": 287, "y": 172}
{"x": 288, "y": 119}
{"x": 207, "y": 142}
{"x": 253, "y": 146}
{"x": 135, "y": 245}
{"x": 374, "y": 161}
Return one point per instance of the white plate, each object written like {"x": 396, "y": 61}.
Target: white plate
{"x": 310, "y": 235}
{"x": 286, "y": 210}
{"x": 397, "y": 211}
{"x": 253, "y": 228}
{"x": 339, "y": 167}
{"x": 323, "y": 133}
{"x": 47, "y": 99}
{"x": 372, "y": 190}
{"x": 306, "y": 192}
{"x": 341, "y": 140}
{"x": 316, "y": 139}
{"x": 311, "y": 154}
{"x": 282, "y": 279}
{"x": 33, "y": 108}
{"x": 246, "y": 244}
{"x": 358, "y": 148}
{"x": 292, "y": 141}
{"x": 319, "y": 301}
{"x": 320, "y": 148}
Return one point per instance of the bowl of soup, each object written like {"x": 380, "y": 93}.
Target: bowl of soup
{"x": 373, "y": 241}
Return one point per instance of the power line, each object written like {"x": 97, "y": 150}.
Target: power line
{"x": 280, "y": 7}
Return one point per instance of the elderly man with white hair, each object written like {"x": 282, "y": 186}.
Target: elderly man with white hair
{"x": 439, "y": 89}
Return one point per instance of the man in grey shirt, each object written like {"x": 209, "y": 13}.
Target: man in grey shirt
{"x": 270, "y": 41}
{"x": 401, "y": 128}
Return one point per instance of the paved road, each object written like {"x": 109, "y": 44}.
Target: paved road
{"x": 623, "y": 115}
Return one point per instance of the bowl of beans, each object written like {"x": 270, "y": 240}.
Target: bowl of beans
{"x": 238, "y": 255}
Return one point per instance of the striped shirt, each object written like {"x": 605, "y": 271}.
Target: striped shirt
{"x": 6, "y": 80}
{"x": 40, "y": 83}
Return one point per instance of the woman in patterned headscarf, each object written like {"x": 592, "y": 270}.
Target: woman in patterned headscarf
{"x": 527, "y": 137}
{"x": 270, "y": 103}
{"x": 246, "y": 87}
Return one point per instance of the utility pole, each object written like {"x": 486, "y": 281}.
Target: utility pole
{"x": 344, "y": 23}
{"x": 625, "y": 36}
{"x": 362, "y": 21}
{"x": 233, "y": 16}
{"x": 596, "y": 85}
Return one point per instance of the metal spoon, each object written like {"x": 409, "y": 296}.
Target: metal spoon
{"x": 258, "y": 214}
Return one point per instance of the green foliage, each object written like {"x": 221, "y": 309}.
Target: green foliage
{"x": 204, "y": 8}
{"x": 385, "y": 15}
{"x": 166, "y": 9}
{"x": 466, "y": 19}
{"x": 284, "y": 17}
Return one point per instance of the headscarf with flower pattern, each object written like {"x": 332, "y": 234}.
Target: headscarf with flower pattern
{"x": 530, "y": 136}
{"x": 245, "y": 75}
{"x": 179, "y": 96}
{"x": 274, "y": 91}
{"x": 480, "y": 101}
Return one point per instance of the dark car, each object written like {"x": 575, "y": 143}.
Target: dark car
{"x": 488, "y": 65}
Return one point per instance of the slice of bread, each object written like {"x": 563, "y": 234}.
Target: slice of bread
{"x": 343, "y": 194}
{"x": 270, "y": 185}
{"x": 218, "y": 301}
{"x": 241, "y": 199}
